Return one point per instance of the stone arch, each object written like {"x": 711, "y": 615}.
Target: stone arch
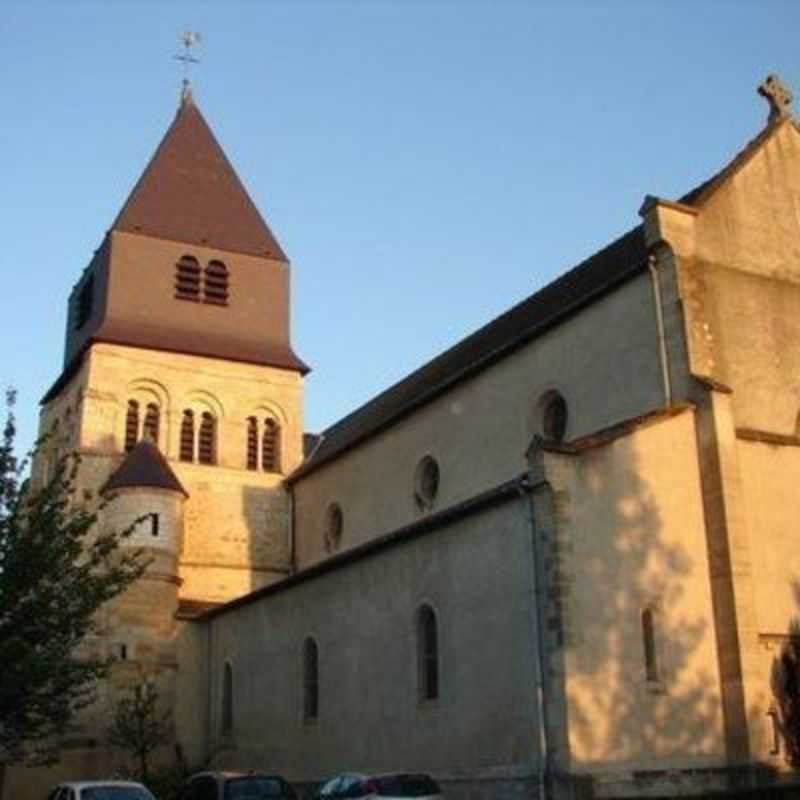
{"x": 199, "y": 400}
{"x": 147, "y": 393}
{"x": 269, "y": 408}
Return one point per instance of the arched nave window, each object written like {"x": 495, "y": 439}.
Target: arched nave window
{"x": 427, "y": 654}
{"x": 310, "y": 680}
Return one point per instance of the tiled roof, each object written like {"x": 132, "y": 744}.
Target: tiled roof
{"x": 591, "y": 278}
{"x": 189, "y": 192}
{"x": 144, "y": 466}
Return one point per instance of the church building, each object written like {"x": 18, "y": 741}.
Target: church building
{"x": 557, "y": 561}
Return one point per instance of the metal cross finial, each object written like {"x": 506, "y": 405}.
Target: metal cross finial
{"x": 190, "y": 39}
{"x": 779, "y": 97}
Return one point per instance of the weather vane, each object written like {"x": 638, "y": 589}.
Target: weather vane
{"x": 190, "y": 39}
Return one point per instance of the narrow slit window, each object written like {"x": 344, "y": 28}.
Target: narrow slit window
{"x": 310, "y": 680}
{"x": 649, "y": 643}
{"x": 154, "y": 525}
{"x": 131, "y": 425}
{"x": 187, "y": 436}
{"x": 427, "y": 654}
{"x": 227, "y": 701}
{"x": 187, "y": 278}
{"x": 216, "y": 284}
{"x": 252, "y": 443}
{"x": 151, "y": 423}
{"x": 207, "y": 444}
{"x": 271, "y": 446}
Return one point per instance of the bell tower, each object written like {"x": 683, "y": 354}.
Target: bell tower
{"x": 178, "y": 332}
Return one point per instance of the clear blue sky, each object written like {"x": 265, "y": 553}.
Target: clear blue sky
{"x": 424, "y": 164}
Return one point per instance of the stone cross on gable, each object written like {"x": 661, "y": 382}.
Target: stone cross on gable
{"x": 779, "y": 97}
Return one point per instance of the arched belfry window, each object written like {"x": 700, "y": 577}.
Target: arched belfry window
{"x": 427, "y": 654}
{"x": 187, "y": 436}
{"x": 226, "y": 721}
{"x": 651, "y": 668}
{"x": 252, "y": 443}
{"x": 187, "y": 278}
{"x": 310, "y": 680}
{"x": 151, "y": 423}
{"x": 131, "y": 425}
{"x": 271, "y": 446}
{"x": 216, "y": 284}
{"x": 207, "y": 440}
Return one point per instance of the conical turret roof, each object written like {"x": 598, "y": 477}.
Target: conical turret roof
{"x": 144, "y": 466}
{"x": 189, "y": 192}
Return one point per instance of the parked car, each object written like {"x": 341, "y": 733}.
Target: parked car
{"x": 236, "y": 786}
{"x": 389, "y": 786}
{"x": 100, "y": 790}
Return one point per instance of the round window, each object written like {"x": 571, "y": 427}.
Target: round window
{"x": 334, "y": 522}
{"x": 554, "y": 416}
{"x": 426, "y": 483}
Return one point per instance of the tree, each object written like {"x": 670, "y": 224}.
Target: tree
{"x": 56, "y": 571}
{"x": 138, "y": 727}
{"x": 786, "y": 690}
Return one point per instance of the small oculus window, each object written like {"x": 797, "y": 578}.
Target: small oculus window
{"x": 426, "y": 483}
{"x": 334, "y": 523}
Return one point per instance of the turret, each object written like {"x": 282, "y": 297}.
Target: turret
{"x": 143, "y": 619}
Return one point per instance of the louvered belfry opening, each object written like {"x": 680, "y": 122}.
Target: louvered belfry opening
{"x": 131, "y": 425}
{"x": 151, "y": 423}
{"x": 187, "y": 278}
{"x": 271, "y": 446}
{"x": 187, "y": 436}
{"x": 216, "y": 284}
{"x": 206, "y": 444}
{"x": 252, "y": 443}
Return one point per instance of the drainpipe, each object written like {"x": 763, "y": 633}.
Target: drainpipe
{"x": 292, "y": 558}
{"x": 526, "y": 495}
{"x": 210, "y": 691}
{"x": 652, "y": 263}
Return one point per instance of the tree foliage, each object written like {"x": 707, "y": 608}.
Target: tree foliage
{"x": 786, "y": 690}
{"x": 138, "y": 726}
{"x": 56, "y": 571}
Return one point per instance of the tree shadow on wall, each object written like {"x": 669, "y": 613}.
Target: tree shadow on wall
{"x": 638, "y": 654}
{"x": 785, "y": 685}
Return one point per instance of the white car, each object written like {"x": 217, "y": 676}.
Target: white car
{"x": 388, "y": 786}
{"x": 100, "y": 790}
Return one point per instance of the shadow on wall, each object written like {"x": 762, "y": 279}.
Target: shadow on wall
{"x": 265, "y": 511}
{"x": 639, "y": 654}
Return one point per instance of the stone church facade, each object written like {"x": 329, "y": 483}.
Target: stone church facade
{"x": 558, "y": 560}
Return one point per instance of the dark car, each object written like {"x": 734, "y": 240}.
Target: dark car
{"x": 237, "y": 786}
{"x": 394, "y": 785}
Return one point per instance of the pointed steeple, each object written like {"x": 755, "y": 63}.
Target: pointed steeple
{"x": 189, "y": 192}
